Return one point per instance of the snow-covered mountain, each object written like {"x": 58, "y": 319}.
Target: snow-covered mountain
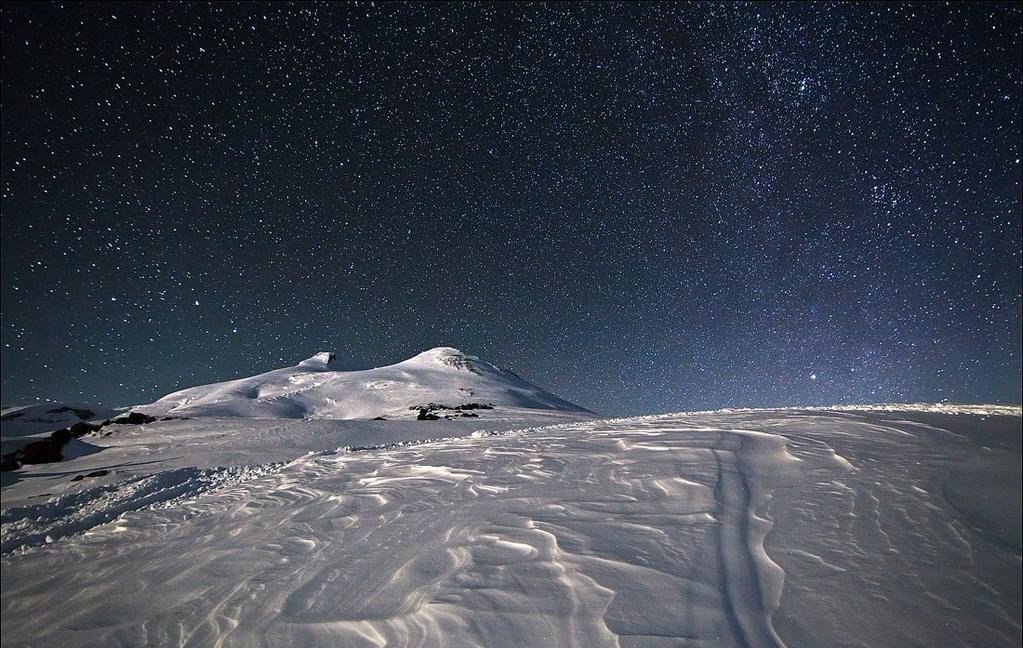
{"x": 440, "y": 382}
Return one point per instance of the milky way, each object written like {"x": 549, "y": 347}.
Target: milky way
{"x": 640, "y": 207}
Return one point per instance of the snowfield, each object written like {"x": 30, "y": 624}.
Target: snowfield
{"x": 877, "y": 526}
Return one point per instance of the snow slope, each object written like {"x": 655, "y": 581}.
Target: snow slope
{"x": 318, "y": 387}
{"x": 891, "y": 527}
{"x": 25, "y": 420}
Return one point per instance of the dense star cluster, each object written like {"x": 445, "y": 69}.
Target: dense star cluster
{"x": 641, "y": 207}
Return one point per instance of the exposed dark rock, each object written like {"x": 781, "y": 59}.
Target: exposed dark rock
{"x": 43, "y": 451}
{"x": 426, "y": 412}
{"x": 48, "y": 450}
{"x": 379, "y": 418}
{"x": 95, "y": 473}
{"x": 174, "y": 418}
{"x": 461, "y": 362}
{"x": 132, "y": 418}
{"x": 462, "y": 407}
{"x": 428, "y": 406}
{"x": 473, "y": 406}
{"x": 82, "y": 428}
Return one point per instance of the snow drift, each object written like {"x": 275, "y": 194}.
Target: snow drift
{"x": 894, "y": 526}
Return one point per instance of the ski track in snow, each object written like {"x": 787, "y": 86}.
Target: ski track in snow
{"x": 726, "y": 529}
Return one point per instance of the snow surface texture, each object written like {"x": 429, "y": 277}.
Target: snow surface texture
{"x": 319, "y": 388}
{"x": 751, "y": 528}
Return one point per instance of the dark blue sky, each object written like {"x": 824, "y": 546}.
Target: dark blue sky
{"x": 640, "y": 207}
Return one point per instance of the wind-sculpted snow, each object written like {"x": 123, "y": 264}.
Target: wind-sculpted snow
{"x": 722, "y": 529}
{"x": 26, "y": 526}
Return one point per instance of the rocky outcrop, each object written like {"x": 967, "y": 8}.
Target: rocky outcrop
{"x": 50, "y": 449}
{"x": 132, "y": 418}
{"x": 430, "y": 411}
{"x": 426, "y": 415}
{"x": 95, "y": 473}
{"x": 46, "y": 450}
{"x": 82, "y": 428}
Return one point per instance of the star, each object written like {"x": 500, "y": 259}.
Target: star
{"x": 642, "y": 208}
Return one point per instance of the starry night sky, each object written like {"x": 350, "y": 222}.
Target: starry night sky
{"x": 639, "y": 207}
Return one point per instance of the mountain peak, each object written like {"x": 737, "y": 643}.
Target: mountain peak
{"x": 448, "y": 357}
{"x": 444, "y": 352}
{"x": 323, "y": 360}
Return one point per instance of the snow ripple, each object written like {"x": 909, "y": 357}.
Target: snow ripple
{"x": 27, "y": 526}
{"x": 730, "y": 529}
